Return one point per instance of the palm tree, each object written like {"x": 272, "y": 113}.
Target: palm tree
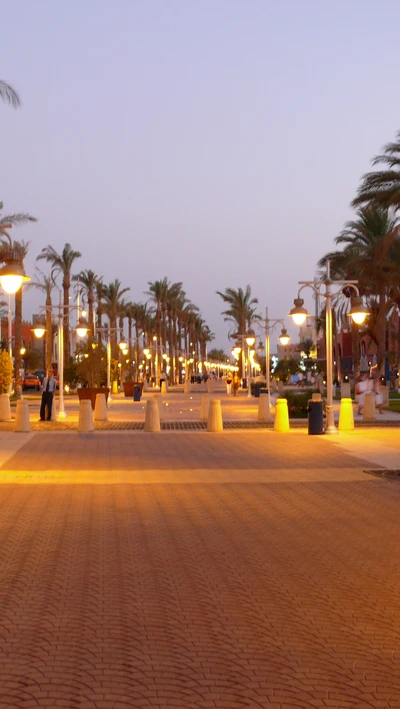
{"x": 87, "y": 282}
{"x": 370, "y": 242}
{"x": 9, "y": 95}
{"x": 46, "y": 285}
{"x": 241, "y": 312}
{"x": 10, "y": 220}
{"x": 111, "y": 305}
{"x": 62, "y": 263}
{"x": 382, "y": 186}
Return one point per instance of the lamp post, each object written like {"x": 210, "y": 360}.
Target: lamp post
{"x": 81, "y": 330}
{"x": 284, "y": 338}
{"x": 250, "y": 340}
{"x": 122, "y": 345}
{"x": 358, "y": 312}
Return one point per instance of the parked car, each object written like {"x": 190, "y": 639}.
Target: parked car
{"x": 31, "y": 381}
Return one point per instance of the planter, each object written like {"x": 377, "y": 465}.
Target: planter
{"x": 129, "y": 386}
{"x": 90, "y": 393}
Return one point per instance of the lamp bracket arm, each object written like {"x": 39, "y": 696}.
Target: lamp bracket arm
{"x": 307, "y": 284}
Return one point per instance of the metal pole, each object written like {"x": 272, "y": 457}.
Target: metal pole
{"x": 109, "y": 364}
{"x": 249, "y": 373}
{"x": 267, "y": 364}
{"x": 9, "y": 335}
{"x": 330, "y": 421}
{"x": 61, "y": 412}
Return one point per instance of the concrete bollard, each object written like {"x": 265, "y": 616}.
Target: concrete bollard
{"x": 205, "y": 405}
{"x": 152, "y": 418}
{"x": 100, "y": 408}
{"x": 345, "y": 390}
{"x": 281, "y": 423}
{"x": 214, "y": 421}
{"x": 145, "y": 385}
{"x": 5, "y": 409}
{"x": 209, "y": 386}
{"x": 264, "y": 413}
{"x": 54, "y": 409}
{"x": 369, "y": 407}
{"x": 346, "y": 417}
{"x": 85, "y": 424}
{"x": 186, "y": 387}
{"x": 164, "y": 387}
{"x": 384, "y": 392}
{"x": 22, "y": 423}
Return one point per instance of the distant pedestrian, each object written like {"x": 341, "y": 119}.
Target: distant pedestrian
{"x": 228, "y": 382}
{"x": 235, "y": 384}
{"x": 49, "y": 385}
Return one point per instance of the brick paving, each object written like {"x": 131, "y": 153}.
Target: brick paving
{"x": 199, "y": 571}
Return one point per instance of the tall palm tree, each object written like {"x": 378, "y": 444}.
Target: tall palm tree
{"x": 9, "y": 95}
{"x": 241, "y": 311}
{"x": 46, "y": 284}
{"x": 370, "y": 242}
{"x": 87, "y": 282}
{"x": 382, "y": 186}
{"x": 62, "y": 263}
{"x": 9, "y": 220}
{"x": 111, "y": 305}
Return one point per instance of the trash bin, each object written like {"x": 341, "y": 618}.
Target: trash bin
{"x": 315, "y": 418}
{"x": 244, "y": 383}
{"x": 257, "y": 390}
{"x": 137, "y": 392}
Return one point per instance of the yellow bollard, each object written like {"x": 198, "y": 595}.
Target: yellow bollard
{"x": 281, "y": 422}
{"x": 115, "y": 388}
{"x": 346, "y": 418}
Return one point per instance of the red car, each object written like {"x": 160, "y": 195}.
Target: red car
{"x": 31, "y": 381}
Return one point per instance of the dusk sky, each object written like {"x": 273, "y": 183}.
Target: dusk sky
{"x": 216, "y": 142}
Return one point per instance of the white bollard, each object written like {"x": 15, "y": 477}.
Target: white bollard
{"x": 264, "y": 413}
{"x": 22, "y": 423}
{"x": 186, "y": 387}
{"x": 5, "y": 409}
{"x": 345, "y": 390}
{"x": 204, "y": 408}
{"x": 214, "y": 422}
{"x": 54, "y": 409}
{"x": 384, "y": 392}
{"x": 152, "y": 419}
{"x": 100, "y": 408}
{"x": 85, "y": 424}
{"x": 369, "y": 412}
{"x": 209, "y": 386}
{"x": 145, "y": 385}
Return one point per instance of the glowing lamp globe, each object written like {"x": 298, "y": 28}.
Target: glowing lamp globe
{"x": 358, "y": 311}
{"x": 298, "y": 312}
{"x": 250, "y": 340}
{"x": 39, "y": 331}
{"x": 284, "y": 338}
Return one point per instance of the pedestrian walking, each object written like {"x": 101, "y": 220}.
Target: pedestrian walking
{"x": 235, "y": 384}
{"x": 228, "y": 382}
{"x": 49, "y": 385}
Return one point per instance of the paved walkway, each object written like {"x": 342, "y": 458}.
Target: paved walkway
{"x": 199, "y": 571}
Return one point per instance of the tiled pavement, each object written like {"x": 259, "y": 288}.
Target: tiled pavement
{"x": 199, "y": 571}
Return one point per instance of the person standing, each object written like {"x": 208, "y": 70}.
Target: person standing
{"x": 228, "y": 382}
{"x": 235, "y": 384}
{"x": 48, "y": 388}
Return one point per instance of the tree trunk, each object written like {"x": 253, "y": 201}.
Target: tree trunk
{"x": 90, "y": 315}
{"x": 67, "y": 348}
{"x": 49, "y": 334}
{"x": 381, "y": 333}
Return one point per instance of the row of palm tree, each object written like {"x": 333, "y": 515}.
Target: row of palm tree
{"x": 371, "y": 247}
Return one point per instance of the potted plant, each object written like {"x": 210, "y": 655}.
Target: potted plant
{"x": 91, "y": 369}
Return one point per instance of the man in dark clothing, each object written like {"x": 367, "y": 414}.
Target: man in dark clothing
{"x": 48, "y": 388}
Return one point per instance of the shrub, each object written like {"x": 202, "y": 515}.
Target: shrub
{"x": 297, "y": 403}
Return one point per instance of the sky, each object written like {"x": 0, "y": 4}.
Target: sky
{"x": 214, "y": 142}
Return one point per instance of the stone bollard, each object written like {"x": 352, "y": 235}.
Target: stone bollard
{"x": 209, "y": 386}
{"x": 145, "y": 385}
{"x": 214, "y": 421}
{"x": 369, "y": 407}
{"x": 345, "y": 390}
{"x": 264, "y": 413}
{"x": 85, "y": 424}
{"x": 54, "y": 409}
{"x": 384, "y": 392}
{"x": 346, "y": 417}
{"x": 100, "y": 408}
{"x": 205, "y": 405}
{"x": 152, "y": 418}
{"x": 281, "y": 422}
{"x": 164, "y": 387}
{"x": 22, "y": 423}
{"x": 5, "y": 409}
{"x": 186, "y": 387}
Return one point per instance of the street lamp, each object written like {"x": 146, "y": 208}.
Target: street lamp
{"x": 250, "y": 340}
{"x": 110, "y": 331}
{"x": 358, "y": 313}
{"x": 284, "y": 339}
{"x": 81, "y": 330}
